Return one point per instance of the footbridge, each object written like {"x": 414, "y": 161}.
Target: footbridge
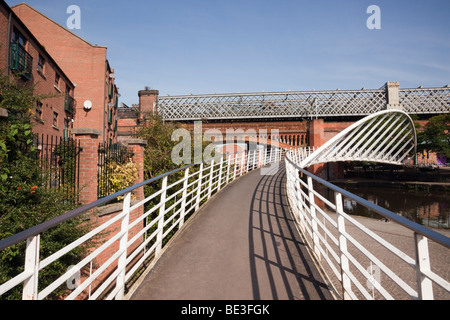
{"x": 385, "y": 137}
{"x": 253, "y": 225}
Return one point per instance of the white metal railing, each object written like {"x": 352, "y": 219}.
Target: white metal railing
{"x": 349, "y": 252}
{"x": 171, "y": 205}
{"x": 387, "y": 136}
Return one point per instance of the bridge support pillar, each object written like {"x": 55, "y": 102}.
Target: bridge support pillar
{"x": 329, "y": 171}
{"x": 88, "y": 139}
{"x": 316, "y": 140}
{"x": 137, "y": 146}
{"x": 393, "y": 95}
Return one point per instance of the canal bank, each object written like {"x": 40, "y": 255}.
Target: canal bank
{"x": 424, "y": 202}
{"x": 417, "y": 185}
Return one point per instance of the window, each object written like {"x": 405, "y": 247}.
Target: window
{"x": 20, "y": 60}
{"x": 38, "y": 113}
{"x": 57, "y": 77}
{"x": 55, "y": 120}
{"x": 41, "y": 64}
{"x": 18, "y": 38}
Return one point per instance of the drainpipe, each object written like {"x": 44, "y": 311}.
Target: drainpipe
{"x": 8, "y": 45}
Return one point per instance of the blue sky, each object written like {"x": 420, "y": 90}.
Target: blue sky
{"x": 208, "y": 46}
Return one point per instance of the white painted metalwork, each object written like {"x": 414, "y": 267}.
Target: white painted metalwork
{"x": 348, "y": 250}
{"x": 174, "y": 202}
{"x": 300, "y": 104}
{"x": 386, "y": 137}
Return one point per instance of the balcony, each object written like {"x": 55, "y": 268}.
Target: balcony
{"x": 21, "y": 61}
{"x": 69, "y": 104}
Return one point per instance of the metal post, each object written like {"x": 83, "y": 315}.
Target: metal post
{"x": 259, "y": 158}
{"x": 122, "y": 261}
{"x": 162, "y": 209}
{"x": 424, "y": 285}
{"x": 228, "y": 169}
{"x": 345, "y": 268}
{"x": 301, "y": 200}
{"x": 220, "y": 175}
{"x": 211, "y": 179}
{"x": 30, "y": 286}
{"x": 183, "y": 201}
{"x": 313, "y": 218}
{"x": 243, "y": 162}
{"x": 235, "y": 166}
{"x": 199, "y": 187}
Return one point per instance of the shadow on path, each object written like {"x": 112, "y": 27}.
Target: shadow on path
{"x": 241, "y": 245}
{"x": 281, "y": 267}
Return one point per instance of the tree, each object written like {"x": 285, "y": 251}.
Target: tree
{"x": 435, "y": 136}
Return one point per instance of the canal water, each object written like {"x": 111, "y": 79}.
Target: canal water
{"x": 431, "y": 209}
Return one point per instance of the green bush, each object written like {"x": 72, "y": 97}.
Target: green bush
{"x": 25, "y": 202}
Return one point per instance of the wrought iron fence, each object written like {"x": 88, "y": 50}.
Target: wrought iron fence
{"x": 60, "y": 162}
{"x": 110, "y": 155}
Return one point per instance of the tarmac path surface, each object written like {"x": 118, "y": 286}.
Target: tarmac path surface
{"x": 241, "y": 245}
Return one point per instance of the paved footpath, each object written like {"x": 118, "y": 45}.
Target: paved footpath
{"x": 242, "y": 245}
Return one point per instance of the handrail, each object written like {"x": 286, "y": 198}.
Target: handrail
{"x": 329, "y": 237}
{"x": 33, "y": 231}
{"x": 136, "y": 239}
{"x": 414, "y": 226}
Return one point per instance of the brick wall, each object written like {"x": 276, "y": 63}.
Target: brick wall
{"x": 85, "y": 64}
{"x": 4, "y": 17}
{"x": 51, "y": 116}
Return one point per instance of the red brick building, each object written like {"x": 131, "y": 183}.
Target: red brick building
{"x": 23, "y": 54}
{"x": 86, "y": 65}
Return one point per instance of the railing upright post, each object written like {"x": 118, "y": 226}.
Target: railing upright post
{"x": 183, "y": 201}
{"x": 199, "y": 187}
{"x": 228, "y": 169}
{"x": 122, "y": 261}
{"x": 424, "y": 285}
{"x": 301, "y": 203}
{"x": 260, "y": 159}
{"x": 345, "y": 267}
{"x": 313, "y": 217}
{"x": 30, "y": 286}
{"x": 244, "y": 154}
{"x": 162, "y": 209}
{"x": 235, "y": 166}
{"x": 219, "y": 186}
{"x": 211, "y": 172}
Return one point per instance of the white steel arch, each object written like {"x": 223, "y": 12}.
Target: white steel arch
{"x": 385, "y": 137}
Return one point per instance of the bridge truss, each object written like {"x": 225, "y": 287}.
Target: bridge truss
{"x": 386, "y": 137}
{"x": 301, "y": 104}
